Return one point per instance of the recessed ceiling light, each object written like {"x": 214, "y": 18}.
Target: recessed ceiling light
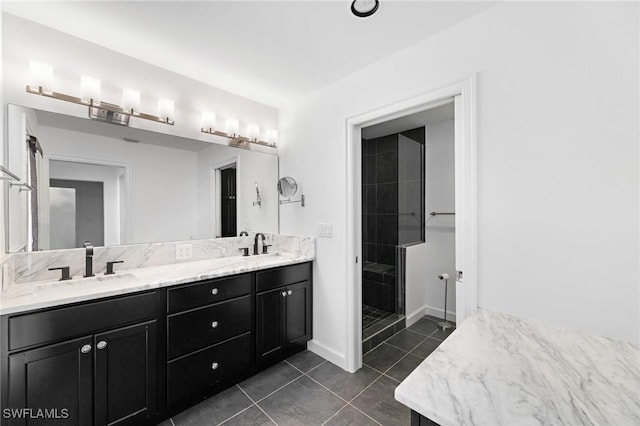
{"x": 364, "y": 8}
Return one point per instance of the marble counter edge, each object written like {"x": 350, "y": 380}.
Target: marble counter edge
{"x": 7, "y": 308}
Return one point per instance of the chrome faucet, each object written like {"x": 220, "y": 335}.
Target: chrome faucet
{"x": 243, "y": 233}
{"x": 255, "y": 245}
{"x": 88, "y": 260}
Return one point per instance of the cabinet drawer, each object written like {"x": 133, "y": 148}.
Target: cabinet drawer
{"x": 283, "y": 276}
{"x": 205, "y": 326}
{"x": 194, "y": 374}
{"x": 63, "y": 323}
{"x": 207, "y": 292}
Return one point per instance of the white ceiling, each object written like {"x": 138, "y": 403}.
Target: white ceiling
{"x": 269, "y": 51}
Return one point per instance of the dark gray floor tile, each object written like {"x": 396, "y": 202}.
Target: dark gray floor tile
{"x": 305, "y": 360}
{"x": 349, "y": 416}
{"x": 252, "y": 416}
{"x": 303, "y": 402}
{"x": 378, "y": 402}
{"x": 343, "y": 383}
{"x": 406, "y": 340}
{"x": 382, "y": 336}
{"x": 425, "y": 348}
{"x": 214, "y": 410}
{"x": 166, "y": 423}
{"x": 262, "y": 384}
{"x": 406, "y": 365}
{"x": 383, "y": 357}
{"x": 424, "y": 326}
{"x": 441, "y": 335}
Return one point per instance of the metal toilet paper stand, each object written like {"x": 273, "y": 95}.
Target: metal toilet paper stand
{"x": 445, "y": 325}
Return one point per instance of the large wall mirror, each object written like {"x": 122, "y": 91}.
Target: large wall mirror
{"x": 114, "y": 185}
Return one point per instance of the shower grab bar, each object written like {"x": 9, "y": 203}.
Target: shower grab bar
{"x": 438, "y": 214}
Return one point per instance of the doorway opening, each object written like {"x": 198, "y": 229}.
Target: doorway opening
{"x": 464, "y": 219}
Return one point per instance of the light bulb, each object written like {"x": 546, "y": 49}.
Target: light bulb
{"x": 233, "y": 126}
{"x": 40, "y": 76}
{"x": 131, "y": 100}
{"x": 90, "y": 90}
{"x": 253, "y": 131}
{"x": 166, "y": 109}
{"x": 208, "y": 120}
{"x": 271, "y": 136}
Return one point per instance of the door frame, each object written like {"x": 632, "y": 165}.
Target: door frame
{"x": 464, "y": 94}
{"x": 216, "y": 213}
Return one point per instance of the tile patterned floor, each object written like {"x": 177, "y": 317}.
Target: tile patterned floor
{"x": 307, "y": 390}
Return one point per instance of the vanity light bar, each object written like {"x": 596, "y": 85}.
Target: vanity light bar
{"x": 102, "y": 105}
{"x": 236, "y": 140}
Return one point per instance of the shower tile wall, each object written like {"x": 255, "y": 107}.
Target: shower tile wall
{"x": 392, "y": 177}
{"x": 380, "y": 221}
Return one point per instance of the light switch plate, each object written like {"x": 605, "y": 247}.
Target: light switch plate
{"x": 325, "y": 230}
{"x": 184, "y": 251}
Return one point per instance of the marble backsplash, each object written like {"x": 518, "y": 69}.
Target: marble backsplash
{"x": 34, "y": 266}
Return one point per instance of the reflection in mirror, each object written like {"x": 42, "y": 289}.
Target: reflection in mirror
{"x": 116, "y": 185}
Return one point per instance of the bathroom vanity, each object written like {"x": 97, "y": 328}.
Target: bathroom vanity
{"x": 140, "y": 348}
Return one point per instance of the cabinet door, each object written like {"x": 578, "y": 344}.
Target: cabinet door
{"x": 270, "y": 324}
{"x": 58, "y": 378}
{"x": 298, "y": 315}
{"x": 125, "y": 388}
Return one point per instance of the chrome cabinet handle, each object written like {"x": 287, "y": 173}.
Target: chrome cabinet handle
{"x": 289, "y": 293}
{"x": 85, "y": 349}
{"x": 284, "y": 294}
{"x": 101, "y": 344}
{"x": 214, "y": 366}
{"x": 214, "y": 324}
{"x": 214, "y": 291}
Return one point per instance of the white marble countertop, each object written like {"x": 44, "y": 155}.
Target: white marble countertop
{"x": 28, "y": 296}
{"x": 496, "y": 369}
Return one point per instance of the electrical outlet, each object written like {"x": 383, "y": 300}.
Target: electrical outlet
{"x": 184, "y": 251}
{"x": 325, "y": 230}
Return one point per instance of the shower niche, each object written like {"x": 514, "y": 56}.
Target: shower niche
{"x": 393, "y": 217}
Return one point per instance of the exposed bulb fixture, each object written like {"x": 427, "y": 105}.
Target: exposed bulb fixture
{"x": 166, "y": 109}
{"x": 232, "y": 129}
{"x": 131, "y": 100}
{"x": 364, "y": 8}
{"x": 233, "y": 126}
{"x": 253, "y": 131}
{"x": 40, "y": 77}
{"x": 271, "y": 136}
{"x": 208, "y": 121}
{"x": 90, "y": 90}
{"x": 41, "y": 83}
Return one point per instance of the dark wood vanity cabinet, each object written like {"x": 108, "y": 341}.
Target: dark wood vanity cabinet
{"x": 283, "y": 312}
{"x": 209, "y": 337}
{"x": 87, "y": 364}
{"x": 139, "y": 358}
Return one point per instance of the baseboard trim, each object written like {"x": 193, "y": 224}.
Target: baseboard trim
{"x": 439, "y": 313}
{"x": 327, "y": 353}
{"x": 414, "y": 316}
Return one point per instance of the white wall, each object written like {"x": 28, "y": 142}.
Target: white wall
{"x": 440, "y": 230}
{"x": 162, "y": 200}
{"x": 557, "y": 145}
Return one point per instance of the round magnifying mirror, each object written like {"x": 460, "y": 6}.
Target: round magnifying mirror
{"x": 287, "y": 186}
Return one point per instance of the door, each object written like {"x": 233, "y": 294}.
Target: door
{"x": 298, "y": 315}
{"x": 270, "y": 324}
{"x": 58, "y": 378}
{"x": 125, "y": 388}
{"x": 228, "y": 202}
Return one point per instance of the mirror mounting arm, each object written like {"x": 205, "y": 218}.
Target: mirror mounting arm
{"x": 289, "y": 201}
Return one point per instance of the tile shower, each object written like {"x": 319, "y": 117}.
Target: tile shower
{"x": 393, "y": 217}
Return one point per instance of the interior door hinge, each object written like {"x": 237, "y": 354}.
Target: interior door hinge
{"x": 459, "y": 276}
{"x": 356, "y": 259}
